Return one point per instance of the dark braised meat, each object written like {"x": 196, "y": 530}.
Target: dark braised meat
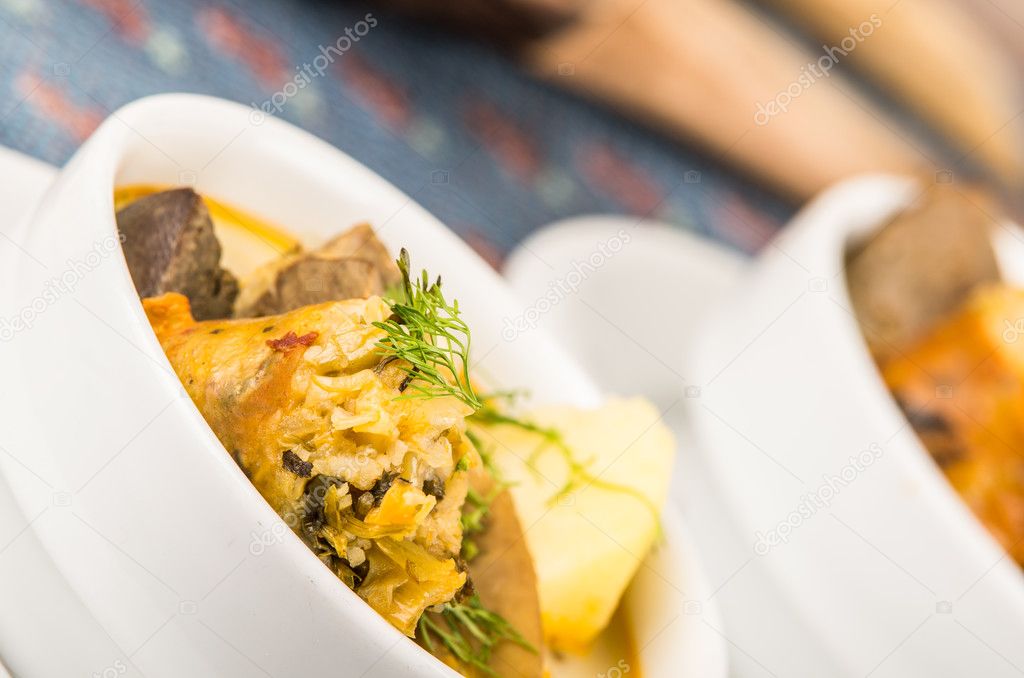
{"x": 170, "y": 246}
{"x": 354, "y": 265}
{"x": 921, "y": 267}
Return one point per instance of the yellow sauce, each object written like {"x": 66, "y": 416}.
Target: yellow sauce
{"x": 248, "y": 241}
{"x": 613, "y": 653}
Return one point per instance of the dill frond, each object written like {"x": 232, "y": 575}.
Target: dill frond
{"x": 473, "y": 520}
{"x": 428, "y": 335}
{"x": 478, "y": 506}
{"x": 486, "y": 456}
{"x": 469, "y": 631}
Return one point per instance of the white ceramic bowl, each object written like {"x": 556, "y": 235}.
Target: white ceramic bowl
{"x": 878, "y": 553}
{"x": 153, "y": 526}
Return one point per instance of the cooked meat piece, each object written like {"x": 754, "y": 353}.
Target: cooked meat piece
{"x": 921, "y": 266}
{"x": 170, "y": 246}
{"x": 963, "y": 390}
{"x": 354, "y": 265}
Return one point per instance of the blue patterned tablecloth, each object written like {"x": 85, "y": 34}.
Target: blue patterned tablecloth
{"x": 493, "y": 152}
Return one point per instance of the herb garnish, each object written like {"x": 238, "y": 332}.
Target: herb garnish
{"x": 477, "y": 507}
{"x": 469, "y": 631}
{"x": 474, "y": 518}
{"x": 486, "y": 457}
{"x": 427, "y": 333}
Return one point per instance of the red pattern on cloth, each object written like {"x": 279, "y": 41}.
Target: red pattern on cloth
{"x": 613, "y": 173}
{"x": 508, "y": 143}
{"x": 383, "y": 94}
{"x": 128, "y": 18}
{"x": 53, "y": 103}
{"x": 230, "y": 35}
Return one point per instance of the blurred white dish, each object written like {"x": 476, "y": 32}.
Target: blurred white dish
{"x": 39, "y": 606}
{"x": 153, "y": 527}
{"x": 834, "y": 490}
{"x": 631, "y": 320}
{"x": 900, "y": 579}
{"x": 623, "y": 295}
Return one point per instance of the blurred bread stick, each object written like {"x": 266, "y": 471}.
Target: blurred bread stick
{"x": 711, "y": 71}
{"x": 935, "y": 58}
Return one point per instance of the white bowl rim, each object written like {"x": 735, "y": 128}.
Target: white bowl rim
{"x": 113, "y": 136}
{"x": 825, "y": 227}
{"x": 938, "y": 490}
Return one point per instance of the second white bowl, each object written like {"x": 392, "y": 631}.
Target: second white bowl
{"x": 837, "y": 494}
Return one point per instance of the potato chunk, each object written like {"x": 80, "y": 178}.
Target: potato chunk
{"x": 587, "y": 543}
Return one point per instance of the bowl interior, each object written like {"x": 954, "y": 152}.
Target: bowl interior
{"x": 314, "y": 192}
{"x": 332, "y": 192}
{"x": 840, "y": 501}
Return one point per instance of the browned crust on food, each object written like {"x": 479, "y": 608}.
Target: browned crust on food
{"x": 504, "y": 578}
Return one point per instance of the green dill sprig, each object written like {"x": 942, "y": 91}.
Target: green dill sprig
{"x": 474, "y": 519}
{"x": 478, "y": 506}
{"x": 429, "y": 336}
{"x": 486, "y": 456}
{"x": 470, "y": 632}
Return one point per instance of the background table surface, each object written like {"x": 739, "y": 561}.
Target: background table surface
{"x": 491, "y": 151}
